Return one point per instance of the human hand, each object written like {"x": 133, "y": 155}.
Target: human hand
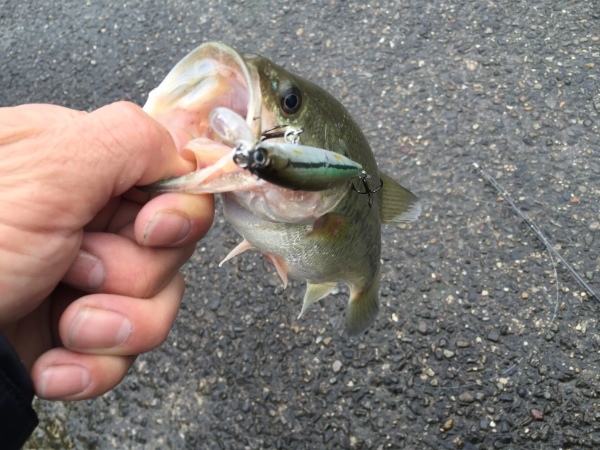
{"x": 89, "y": 266}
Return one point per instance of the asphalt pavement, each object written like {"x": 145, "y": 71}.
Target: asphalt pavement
{"x": 479, "y": 344}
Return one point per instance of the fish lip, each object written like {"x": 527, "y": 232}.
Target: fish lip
{"x": 187, "y": 76}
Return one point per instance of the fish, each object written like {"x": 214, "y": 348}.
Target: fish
{"x": 221, "y": 105}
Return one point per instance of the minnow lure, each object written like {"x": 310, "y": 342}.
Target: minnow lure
{"x": 295, "y": 166}
{"x": 286, "y": 164}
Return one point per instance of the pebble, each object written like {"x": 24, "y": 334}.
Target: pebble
{"x": 537, "y": 414}
{"x": 422, "y": 327}
{"x": 545, "y": 432}
{"x": 551, "y": 103}
{"x": 462, "y": 343}
{"x": 336, "y": 366}
{"x": 494, "y": 336}
{"x": 448, "y": 424}
{"x": 594, "y": 226}
{"x": 466, "y": 397}
{"x": 448, "y": 353}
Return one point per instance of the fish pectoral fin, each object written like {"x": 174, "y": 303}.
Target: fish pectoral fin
{"x": 332, "y": 225}
{"x": 398, "y": 204}
{"x": 279, "y": 266}
{"x": 362, "y": 307}
{"x": 240, "y": 248}
{"x": 314, "y": 293}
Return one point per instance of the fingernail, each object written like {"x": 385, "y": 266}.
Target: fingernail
{"x": 86, "y": 272}
{"x": 167, "y": 228}
{"x": 63, "y": 381}
{"x": 95, "y": 328}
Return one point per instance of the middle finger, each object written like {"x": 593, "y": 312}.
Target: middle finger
{"x": 115, "y": 264}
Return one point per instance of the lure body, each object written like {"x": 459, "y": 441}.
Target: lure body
{"x": 297, "y": 167}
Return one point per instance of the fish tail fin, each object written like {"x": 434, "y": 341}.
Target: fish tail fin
{"x": 362, "y": 307}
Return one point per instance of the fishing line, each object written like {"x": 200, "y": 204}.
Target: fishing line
{"x": 555, "y": 258}
{"x": 537, "y": 232}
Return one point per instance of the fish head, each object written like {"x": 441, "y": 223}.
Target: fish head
{"x": 288, "y": 99}
{"x": 198, "y": 102}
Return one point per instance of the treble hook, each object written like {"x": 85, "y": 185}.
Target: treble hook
{"x": 273, "y": 133}
{"x": 368, "y": 191}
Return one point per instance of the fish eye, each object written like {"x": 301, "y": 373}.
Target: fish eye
{"x": 291, "y": 100}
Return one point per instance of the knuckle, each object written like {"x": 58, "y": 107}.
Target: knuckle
{"x": 126, "y": 122}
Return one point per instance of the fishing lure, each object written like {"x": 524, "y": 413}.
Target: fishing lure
{"x": 295, "y": 166}
{"x": 286, "y": 164}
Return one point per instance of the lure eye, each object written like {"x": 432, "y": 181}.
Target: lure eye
{"x": 259, "y": 158}
{"x": 291, "y": 100}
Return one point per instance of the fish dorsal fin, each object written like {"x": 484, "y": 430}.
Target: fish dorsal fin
{"x": 398, "y": 204}
{"x": 314, "y": 293}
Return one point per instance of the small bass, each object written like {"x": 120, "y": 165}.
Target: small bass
{"x": 314, "y": 205}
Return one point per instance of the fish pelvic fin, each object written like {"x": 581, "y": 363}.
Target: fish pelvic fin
{"x": 279, "y": 266}
{"x": 362, "y": 307}
{"x": 398, "y": 204}
{"x": 314, "y": 293}
{"x": 240, "y": 248}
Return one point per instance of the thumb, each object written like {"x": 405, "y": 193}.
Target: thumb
{"x": 106, "y": 152}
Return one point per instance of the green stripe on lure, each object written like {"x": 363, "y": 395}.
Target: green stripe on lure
{"x": 304, "y": 217}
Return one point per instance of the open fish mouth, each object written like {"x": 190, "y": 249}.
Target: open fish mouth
{"x": 212, "y": 76}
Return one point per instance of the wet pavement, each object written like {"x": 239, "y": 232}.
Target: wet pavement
{"x": 478, "y": 344}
